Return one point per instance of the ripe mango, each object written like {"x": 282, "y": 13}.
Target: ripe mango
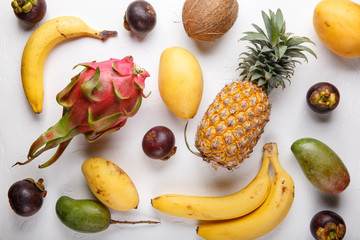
{"x": 321, "y": 165}
{"x": 180, "y": 82}
{"x": 110, "y": 184}
{"x": 337, "y": 24}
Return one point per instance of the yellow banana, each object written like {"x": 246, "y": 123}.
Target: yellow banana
{"x": 218, "y": 208}
{"x": 264, "y": 219}
{"x": 40, "y": 43}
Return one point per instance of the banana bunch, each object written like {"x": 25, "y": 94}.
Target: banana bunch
{"x": 40, "y": 43}
{"x": 218, "y": 208}
{"x": 234, "y": 218}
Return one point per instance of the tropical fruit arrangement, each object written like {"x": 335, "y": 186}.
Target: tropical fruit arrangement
{"x": 104, "y": 95}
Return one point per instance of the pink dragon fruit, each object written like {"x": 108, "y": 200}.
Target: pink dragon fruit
{"x": 96, "y": 102}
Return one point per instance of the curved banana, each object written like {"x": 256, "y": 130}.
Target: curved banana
{"x": 218, "y": 208}
{"x": 42, "y": 40}
{"x": 264, "y": 219}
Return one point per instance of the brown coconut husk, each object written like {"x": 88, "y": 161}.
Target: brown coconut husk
{"x": 208, "y": 20}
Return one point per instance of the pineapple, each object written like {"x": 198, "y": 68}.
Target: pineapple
{"x": 234, "y": 122}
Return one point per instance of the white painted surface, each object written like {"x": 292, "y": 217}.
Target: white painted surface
{"x": 184, "y": 173}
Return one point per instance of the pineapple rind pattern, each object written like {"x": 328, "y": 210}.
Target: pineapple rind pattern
{"x": 233, "y": 124}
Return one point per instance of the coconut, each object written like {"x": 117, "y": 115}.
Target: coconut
{"x": 208, "y": 20}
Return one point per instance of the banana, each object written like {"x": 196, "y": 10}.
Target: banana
{"x": 218, "y": 208}
{"x": 264, "y": 219}
{"x": 40, "y": 43}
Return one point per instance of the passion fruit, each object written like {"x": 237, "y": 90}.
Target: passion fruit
{"x": 140, "y": 17}
{"x": 159, "y": 143}
{"x": 26, "y": 196}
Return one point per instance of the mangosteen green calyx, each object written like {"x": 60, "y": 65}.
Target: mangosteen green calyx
{"x": 323, "y": 97}
{"x": 29, "y": 11}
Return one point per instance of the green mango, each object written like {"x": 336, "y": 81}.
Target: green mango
{"x": 321, "y": 165}
{"x": 86, "y": 216}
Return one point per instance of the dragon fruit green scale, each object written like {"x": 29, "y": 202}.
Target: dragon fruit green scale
{"x": 96, "y": 102}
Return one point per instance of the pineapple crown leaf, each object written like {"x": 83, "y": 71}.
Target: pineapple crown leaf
{"x": 275, "y": 25}
{"x": 273, "y": 54}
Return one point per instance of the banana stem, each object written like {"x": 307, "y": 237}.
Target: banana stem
{"x": 265, "y": 164}
{"x": 107, "y": 34}
{"x": 271, "y": 153}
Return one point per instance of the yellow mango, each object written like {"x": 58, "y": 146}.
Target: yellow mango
{"x": 110, "y": 184}
{"x": 337, "y": 24}
{"x": 180, "y": 82}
